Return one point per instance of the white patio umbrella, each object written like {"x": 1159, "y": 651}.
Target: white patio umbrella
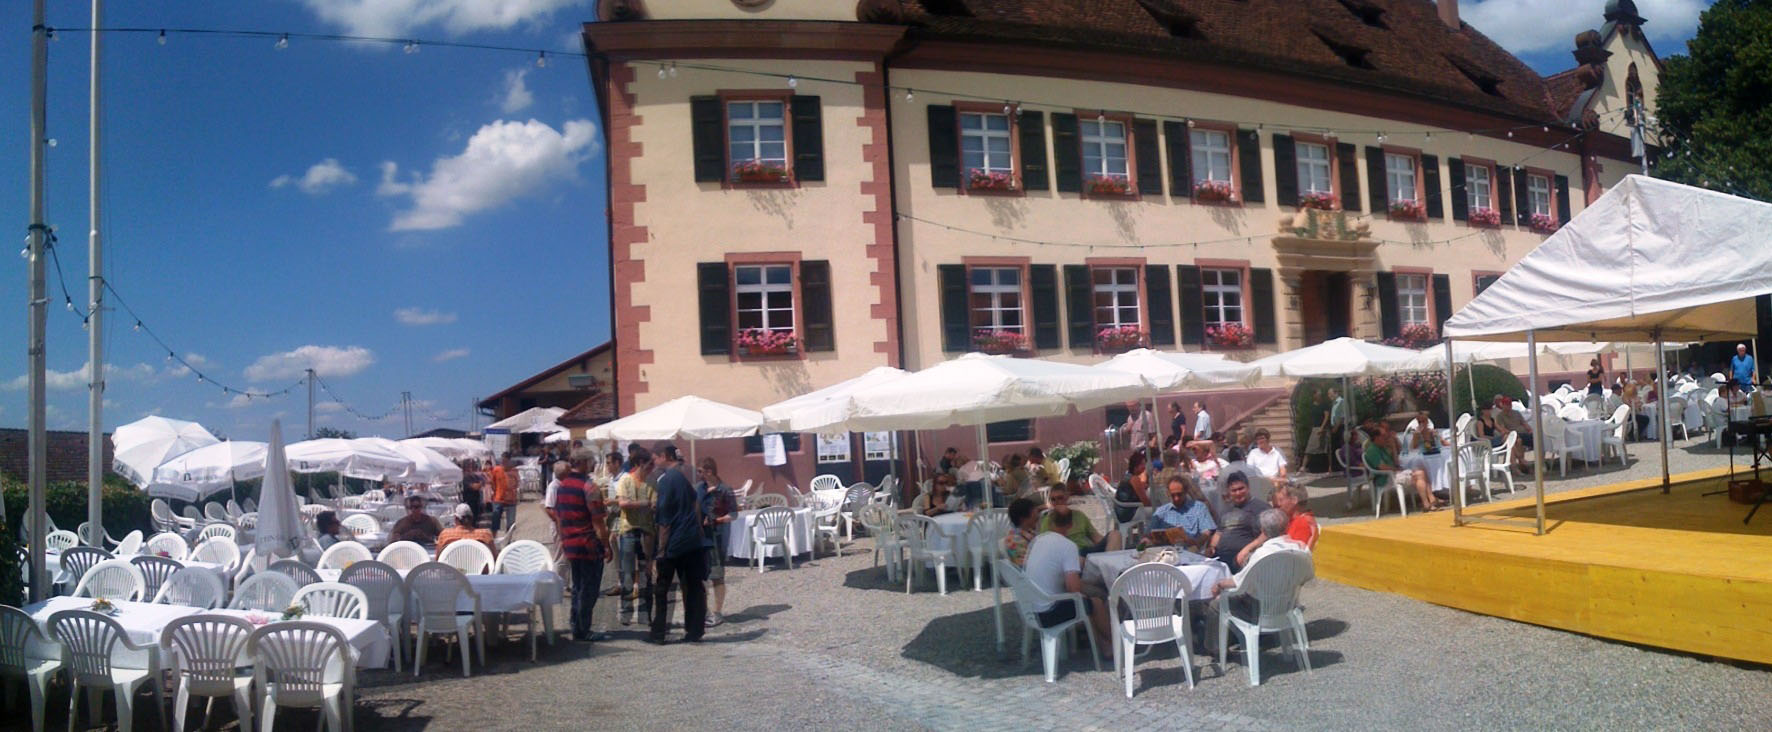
{"x": 1171, "y": 371}
{"x": 533, "y": 419}
{"x": 815, "y": 411}
{"x": 557, "y": 437}
{"x": 279, "y": 531}
{"x": 352, "y": 458}
{"x": 206, "y": 471}
{"x": 684, "y": 418}
{"x": 457, "y": 448}
{"x": 142, "y": 445}
{"x": 428, "y": 466}
{"x": 473, "y": 448}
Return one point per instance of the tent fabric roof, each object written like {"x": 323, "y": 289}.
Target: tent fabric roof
{"x": 1650, "y": 254}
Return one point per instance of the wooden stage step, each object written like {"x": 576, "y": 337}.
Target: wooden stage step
{"x": 1624, "y": 561}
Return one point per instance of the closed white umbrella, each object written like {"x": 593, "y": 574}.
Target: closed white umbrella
{"x": 352, "y": 458}
{"x": 206, "y": 471}
{"x": 279, "y": 530}
{"x": 817, "y": 410}
{"x": 142, "y": 445}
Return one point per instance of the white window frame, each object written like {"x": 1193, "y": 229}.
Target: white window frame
{"x": 1209, "y": 152}
{"x": 756, "y": 123}
{"x": 1212, "y": 291}
{"x": 1413, "y": 298}
{"x": 1399, "y": 177}
{"x": 984, "y": 134}
{"x": 1538, "y": 193}
{"x": 1122, "y": 289}
{"x": 1478, "y": 189}
{"x": 996, "y": 289}
{"x": 1314, "y": 173}
{"x": 763, "y": 288}
{"x": 1097, "y": 141}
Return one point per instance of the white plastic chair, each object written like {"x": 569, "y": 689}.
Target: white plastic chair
{"x": 1595, "y": 405}
{"x": 1149, "y": 592}
{"x": 437, "y": 589}
{"x": 102, "y": 541}
{"x": 112, "y": 579}
{"x": 167, "y": 544}
{"x": 305, "y": 664}
{"x": 1501, "y": 460}
{"x": 160, "y": 513}
{"x": 825, "y": 482}
{"x": 60, "y": 540}
{"x": 342, "y": 554}
{"x": 743, "y": 491}
{"x": 468, "y": 555}
{"x": 192, "y": 588}
{"x": 914, "y": 530}
{"x": 767, "y": 500}
{"x": 389, "y": 515}
{"x": 250, "y": 506}
{"x": 877, "y": 519}
{"x": 332, "y": 600}
{"x": 213, "y": 511}
{"x": 295, "y": 570}
{"x": 403, "y": 555}
{"x": 76, "y": 561}
{"x": 1028, "y": 597}
{"x": 131, "y": 544}
{"x": 860, "y": 494}
{"x": 98, "y": 655}
{"x": 984, "y": 540}
{"x": 826, "y": 522}
{"x": 155, "y": 571}
{"x": 526, "y": 556}
{"x": 219, "y": 550}
{"x": 1613, "y": 441}
{"x": 233, "y": 509}
{"x": 380, "y": 584}
{"x": 1360, "y": 478}
{"x": 28, "y": 655}
{"x": 772, "y": 526}
{"x": 1273, "y": 583}
{"x": 1472, "y": 453}
{"x": 1392, "y": 485}
{"x": 1675, "y": 414}
{"x": 351, "y": 502}
{"x": 266, "y": 592}
{"x": 207, "y": 650}
{"x": 361, "y": 525}
{"x": 223, "y": 530}
{"x": 1561, "y": 440}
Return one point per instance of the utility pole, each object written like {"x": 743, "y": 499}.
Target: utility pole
{"x": 38, "y": 306}
{"x": 406, "y": 403}
{"x": 95, "y": 286}
{"x": 310, "y": 404}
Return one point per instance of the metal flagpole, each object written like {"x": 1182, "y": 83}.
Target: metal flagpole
{"x": 95, "y": 286}
{"x": 1457, "y": 442}
{"x": 38, "y": 308}
{"x": 1537, "y": 423}
{"x": 1663, "y": 430}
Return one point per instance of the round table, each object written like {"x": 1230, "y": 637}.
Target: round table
{"x": 738, "y": 537}
{"x": 1592, "y": 431}
{"x": 1102, "y": 568}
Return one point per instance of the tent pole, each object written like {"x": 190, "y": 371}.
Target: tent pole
{"x": 1347, "y": 436}
{"x": 1457, "y": 442}
{"x": 1537, "y": 424}
{"x": 1664, "y": 429}
{"x": 984, "y": 456}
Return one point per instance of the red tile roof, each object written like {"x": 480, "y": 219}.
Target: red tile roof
{"x": 596, "y": 410}
{"x": 1404, "y": 43}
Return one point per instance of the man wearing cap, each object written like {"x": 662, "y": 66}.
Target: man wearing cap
{"x": 682, "y": 551}
{"x": 464, "y": 528}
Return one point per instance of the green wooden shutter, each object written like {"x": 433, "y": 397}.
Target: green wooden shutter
{"x": 1079, "y": 297}
{"x": 715, "y": 286}
{"x": 1522, "y": 199}
{"x": 1043, "y": 282}
{"x": 1181, "y": 170}
{"x": 1460, "y": 195}
{"x": 808, "y": 138}
{"x": 1193, "y": 304}
{"x": 1261, "y": 296}
{"x": 1067, "y": 153}
{"x": 1144, "y": 146}
{"x": 1033, "y": 151}
{"x": 1285, "y": 171}
{"x": 1504, "y": 193}
{"x": 1375, "y": 188}
{"x": 1349, "y": 172}
{"x": 1442, "y": 301}
{"x": 1249, "y": 165}
{"x": 1562, "y": 184}
{"x": 1388, "y": 322}
{"x": 1159, "y": 305}
{"x": 816, "y": 326}
{"x": 956, "y": 323}
{"x": 708, "y": 140}
{"x": 1430, "y": 184}
{"x": 944, "y": 147}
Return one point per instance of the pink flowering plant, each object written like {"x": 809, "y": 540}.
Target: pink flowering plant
{"x": 979, "y": 179}
{"x": 1408, "y": 210}
{"x": 766, "y": 342}
{"x": 1110, "y": 185}
{"x": 1426, "y": 389}
{"x": 1119, "y": 338}
{"x": 1230, "y": 335}
{"x": 759, "y": 171}
{"x": 1214, "y": 191}
{"x": 1544, "y": 223}
{"x": 1485, "y": 217}
{"x": 987, "y": 340}
{"x": 1319, "y": 200}
{"x": 1414, "y": 335}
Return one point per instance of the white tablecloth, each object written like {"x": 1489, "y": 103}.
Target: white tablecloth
{"x": 1105, "y": 567}
{"x": 499, "y": 593}
{"x": 952, "y": 533}
{"x": 367, "y": 637}
{"x": 738, "y": 539}
{"x": 1591, "y": 431}
{"x": 1439, "y": 477}
{"x": 1693, "y": 417}
{"x": 142, "y": 621}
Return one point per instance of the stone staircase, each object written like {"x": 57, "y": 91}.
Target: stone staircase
{"x": 1277, "y": 419}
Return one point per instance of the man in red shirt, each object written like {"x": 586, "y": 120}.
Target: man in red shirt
{"x": 504, "y": 492}
{"x": 584, "y": 541}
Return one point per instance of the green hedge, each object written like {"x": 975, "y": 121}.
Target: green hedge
{"x": 125, "y": 507}
{"x": 1310, "y": 399}
{"x": 12, "y": 579}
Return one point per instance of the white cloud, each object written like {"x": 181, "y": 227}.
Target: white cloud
{"x": 324, "y": 360}
{"x": 450, "y": 355}
{"x": 239, "y": 401}
{"x": 503, "y": 161}
{"x": 420, "y": 316}
{"x": 194, "y": 359}
{"x": 320, "y": 178}
{"x": 328, "y": 407}
{"x": 401, "y": 17}
{"x": 516, "y": 96}
{"x": 55, "y": 380}
{"x": 1523, "y": 26}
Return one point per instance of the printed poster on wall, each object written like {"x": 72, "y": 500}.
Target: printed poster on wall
{"x": 833, "y": 448}
{"x": 775, "y": 450}
{"x": 877, "y": 446}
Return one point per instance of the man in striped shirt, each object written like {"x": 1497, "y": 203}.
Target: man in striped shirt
{"x": 584, "y": 540}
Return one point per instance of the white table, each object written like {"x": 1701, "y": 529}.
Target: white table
{"x": 141, "y": 621}
{"x": 738, "y": 539}
{"x": 1591, "y": 431}
{"x": 499, "y": 593}
{"x": 1105, "y": 567}
{"x": 952, "y": 534}
{"x": 1438, "y": 476}
{"x": 368, "y": 638}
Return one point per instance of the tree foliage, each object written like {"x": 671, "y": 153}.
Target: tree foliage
{"x": 326, "y": 432}
{"x": 1713, "y": 109}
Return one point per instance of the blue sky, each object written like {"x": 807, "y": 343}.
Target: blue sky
{"x": 428, "y": 222}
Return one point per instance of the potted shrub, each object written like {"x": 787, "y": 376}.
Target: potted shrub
{"x": 1230, "y": 335}
{"x": 1544, "y": 223}
{"x": 1319, "y": 200}
{"x": 759, "y": 171}
{"x": 1485, "y": 217}
{"x": 978, "y": 179}
{"x": 764, "y": 342}
{"x": 1408, "y": 210}
{"x": 1110, "y": 185}
{"x": 1214, "y": 191}
{"x": 986, "y": 340}
{"x": 1112, "y": 339}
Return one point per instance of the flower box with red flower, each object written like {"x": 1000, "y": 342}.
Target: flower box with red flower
{"x": 1214, "y": 191}
{"x": 1319, "y": 200}
{"x": 1113, "y": 339}
{"x": 1485, "y": 217}
{"x": 1230, "y": 335}
{"x": 1414, "y": 335}
{"x": 1408, "y": 210}
{"x": 999, "y": 341}
{"x": 1545, "y": 223}
{"x": 759, "y": 171}
{"x": 766, "y": 342}
{"x": 979, "y": 179}
{"x": 1110, "y": 185}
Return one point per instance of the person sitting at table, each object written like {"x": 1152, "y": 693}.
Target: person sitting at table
{"x": 935, "y": 502}
{"x": 1381, "y": 455}
{"x": 1015, "y": 481}
{"x": 1487, "y": 428}
{"x": 1044, "y": 471}
{"x": 416, "y": 525}
{"x": 1075, "y": 525}
{"x": 1424, "y": 434}
{"x": 1024, "y": 515}
{"x": 1270, "y": 460}
{"x": 1292, "y": 500}
{"x": 1238, "y": 526}
{"x": 951, "y": 460}
{"x": 1206, "y": 463}
{"x": 1184, "y": 521}
{"x": 1055, "y": 566}
{"x": 464, "y": 528}
{"x": 326, "y": 529}
{"x": 1134, "y": 488}
{"x": 1512, "y": 421}
{"x": 1273, "y": 538}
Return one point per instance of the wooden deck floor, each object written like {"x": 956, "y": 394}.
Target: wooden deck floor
{"x": 1624, "y": 561}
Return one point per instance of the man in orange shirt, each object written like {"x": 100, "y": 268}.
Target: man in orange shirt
{"x": 504, "y": 492}
{"x": 464, "y": 528}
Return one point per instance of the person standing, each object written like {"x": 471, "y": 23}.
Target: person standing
{"x": 584, "y": 542}
{"x": 1177, "y": 423}
{"x": 1139, "y": 426}
{"x": 718, "y": 506}
{"x": 682, "y": 551}
{"x": 634, "y": 533}
{"x": 1742, "y": 367}
{"x": 504, "y": 486}
{"x": 1596, "y": 378}
{"x": 473, "y": 485}
{"x": 1202, "y": 421}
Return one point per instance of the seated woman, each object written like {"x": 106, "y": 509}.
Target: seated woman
{"x": 326, "y": 529}
{"x": 1423, "y": 434}
{"x": 1015, "y": 481}
{"x": 1381, "y": 455}
{"x": 1206, "y": 462}
{"x": 1074, "y": 524}
{"x": 1134, "y": 488}
{"x": 1486, "y": 427}
{"x": 935, "y": 502}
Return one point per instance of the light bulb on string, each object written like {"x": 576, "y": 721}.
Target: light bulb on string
{"x": 25, "y": 253}
{"x": 673, "y": 69}
{"x": 909, "y": 95}
{"x": 1005, "y": 109}
{"x": 162, "y": 39}
{"x": 282, "y": 43}
{"x": 541, "y": 59}
{"x": 1510, "y": 134}
{"x": 1381, "y": 137}
{"x": 138, "y": 326}
{"x": 411, "y": 47}
{"x": 793, "y": 82}
{"x": 70, "y": 306}
{"x": 661, "y": 71}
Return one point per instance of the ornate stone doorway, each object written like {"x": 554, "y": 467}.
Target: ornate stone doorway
{"x": 1326, "y": 263}
{"x": 1325, "y": 303}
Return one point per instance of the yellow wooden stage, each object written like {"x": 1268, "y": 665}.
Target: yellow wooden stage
{"x": 1621, "y": 561}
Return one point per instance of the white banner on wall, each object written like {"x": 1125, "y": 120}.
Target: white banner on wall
{"x": 877, "y": 446}
{"x": 498, "y": 440}
{"x": 833, "y": 448}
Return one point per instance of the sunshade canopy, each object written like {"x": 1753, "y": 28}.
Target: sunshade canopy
{"x": 354, "y": 458}
{"x": 818, "y": 410}
{"x": 683, "y": 418}
{"x": 428, "y": 466}
{"x": 977, "y": 389}
{"x": 1170, "y": 371}
{"x": 142, "y": 445}
{"x": 279, "y": 530}
{"x": 205, "y": 471}
{"x": 533, "y": 419}
{"x": 1348, "y": 357}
